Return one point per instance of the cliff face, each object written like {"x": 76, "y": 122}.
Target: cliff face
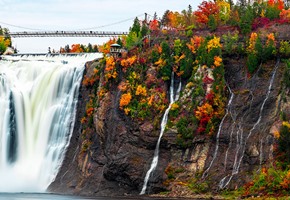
{"x": 120, "y": 153}
{"x": 121, "y": 150}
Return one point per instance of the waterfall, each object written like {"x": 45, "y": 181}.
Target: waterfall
{"x": 163, "y": 125}
{"x": 242, "y": 143}
{"x": 219, "y": 132}
{"x": 38, "y": 96}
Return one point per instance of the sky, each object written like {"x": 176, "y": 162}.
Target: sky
{"x": 73, "y": 15}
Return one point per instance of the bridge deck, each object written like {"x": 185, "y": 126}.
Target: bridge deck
{"x": 66, "y": 34}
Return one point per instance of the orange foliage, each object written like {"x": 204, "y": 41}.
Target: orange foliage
{"x": 110, "y": 69}
{"x": 123, "y": 86}
{"x": 90, "y": 111}
{"x": 203, "y": 110}
{"x": 270, "y": 39}
{"x": 128, "y": 62}
{"x": 125, "y": 99}
{"x": 278, "y": 3}
{"x": 285, "y": 14}
{"x": 252, "y": 43}
{"x": 76, "y": 48}
{"x": 105, "y": 48}
{"x": 205, "y": 9}
{"x": 195, "y": 43}
{"x": 217, "y": 61}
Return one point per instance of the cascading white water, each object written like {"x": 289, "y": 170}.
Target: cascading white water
{"x": 163, "y": 125}
{"x": 38, "y": 96}
{"x": 242, "y": 143}
{"x": 219, "y": 132}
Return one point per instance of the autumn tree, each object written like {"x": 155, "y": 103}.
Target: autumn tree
{"x": 76, "y": 48}
{"x": 205, "y": 9}
{"x": 224, "y": 10}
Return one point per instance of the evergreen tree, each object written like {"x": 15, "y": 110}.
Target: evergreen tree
{"x": 155, "y": 16}
{"x": 136, "y": 27}
{"x": 144, "y": 30}
{"x": 212, "y": 24}
{"x": 247, "y": 17}
{"x": 165, "y": 20}
{"x": 119, "y": 42}
{"x": 66, "y": 48}
{"x": 95, "y": 48}
{"x": 90, "y": 48}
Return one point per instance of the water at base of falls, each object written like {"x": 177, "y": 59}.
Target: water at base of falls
{"x": 38, "y": 96}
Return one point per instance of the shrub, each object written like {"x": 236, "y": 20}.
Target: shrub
{"x": 246, "y": 21}
{"x": 284, "y": 49}
{"x": 260, "y": 22}
{"x": 284, "y": 142}
{"x": 252, "y": 63}
{"x": 272, "y": 12}
{"x": 230, "y": 41}
{"x": 287, "y": 75}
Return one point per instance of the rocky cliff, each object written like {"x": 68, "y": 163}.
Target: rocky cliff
{"x": 111, "y": 150}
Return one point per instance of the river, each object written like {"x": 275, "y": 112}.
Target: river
{"x": 46, "y": 196}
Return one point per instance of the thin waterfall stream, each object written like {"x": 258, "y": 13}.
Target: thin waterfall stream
{"x": 241, "y": 148}
{"x": 154, "y": 163}
{"x": 38, "y": 96}
{"x": 219, "y": 132}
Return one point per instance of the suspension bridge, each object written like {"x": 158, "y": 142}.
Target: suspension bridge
{"x": 65, "y": 34}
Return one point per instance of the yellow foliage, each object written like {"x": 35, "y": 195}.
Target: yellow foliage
{"x": 174, "y": 106}
{"x": 213, "y": 43}
{"x": 126, "y": 110}
{"x": 224, "y": 9}
{"x": 276, "y": 134}
{"x": 178, "y": 58}
{"x": 287, "y": 124}
{"x": 160, "y": 62}
{"x": 141, "y": 91}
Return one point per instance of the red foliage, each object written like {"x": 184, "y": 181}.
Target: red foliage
{"x": 204, "y": 121}
{"x": 209, "y": 97}
{"x": 154, "y": 25}
{"x": 280, "y": 4}
{"x": 260, "y": 22}
{"x": 200, "y": 130}
{"x": 205, "y": 9}
{"x": 271, "y": 2}
{"x": 207, "y": 80}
